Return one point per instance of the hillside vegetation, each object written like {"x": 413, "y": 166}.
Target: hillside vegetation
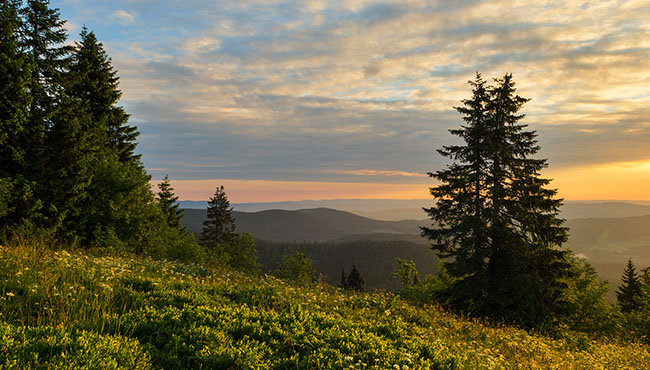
{"x": 62, "y": 310}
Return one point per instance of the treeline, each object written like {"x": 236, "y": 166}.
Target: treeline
{"x": 69, "y": 172}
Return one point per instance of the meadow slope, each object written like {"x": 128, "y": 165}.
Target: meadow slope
{"x": 72, "y": 310}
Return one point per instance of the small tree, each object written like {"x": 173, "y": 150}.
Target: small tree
{"x": 219, "y": 227}
{"x": 343, "y": 284}
{"x": 297, "y": 268}
{"x": 406, "y": 273}
{"x": 168, "y": 203}
{"x": 354, "y": 280}
{"x": 629, "y": 291}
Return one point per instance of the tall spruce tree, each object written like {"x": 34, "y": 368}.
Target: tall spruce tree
{"x": 15, "y": 97}
{"x": 628, "y": 293}
{"x": 219, "y": 227}
{"x": 95, "y": 83}
{"x": 495, "y": 224}
{"x": 44, "y": 41}
{"x": 168, "y": 203}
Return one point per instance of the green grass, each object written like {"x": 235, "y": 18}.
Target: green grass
{"x": 63, "y": 310}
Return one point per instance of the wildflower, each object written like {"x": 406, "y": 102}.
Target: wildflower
{"x": 10, "y": 294}
{"x": 405, "y": 367}
{"x": 396, "y": 367}
{"x": 348, "y": 358}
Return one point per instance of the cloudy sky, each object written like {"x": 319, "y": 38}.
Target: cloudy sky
{"x": 290, "y": 100}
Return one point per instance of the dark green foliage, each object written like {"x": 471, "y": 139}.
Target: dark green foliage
{"x": 297, "y": 268}
{"x": 496, "y": 224}
{"x": 354, "y": 280}
{"x": 95, "y": 83}
{"x": 168, "y": 203}
{"x": 44, "y": 38}
{"x": 629, "y": 292}
{"x": 15, "y": 79}
{"x": 343, "y": 284}
{"x": 219, "y": 227}
{"x": 67, "y": 162}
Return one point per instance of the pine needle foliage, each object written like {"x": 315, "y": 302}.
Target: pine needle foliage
{"x": 495, "y": 222}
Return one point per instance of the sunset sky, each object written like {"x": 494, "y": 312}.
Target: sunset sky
{"x": 292, "y": 100}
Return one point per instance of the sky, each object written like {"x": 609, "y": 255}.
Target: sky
{"x": 293, "y": 100}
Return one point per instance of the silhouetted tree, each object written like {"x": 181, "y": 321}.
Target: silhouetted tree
{"x": 168, "y": 203}
{"x": 628, "y": 293}
{"x": 495, "y": 224}
{"x": 343, "y": 284}
{"x": 354, "y": 280}
{"x": 219, "y": 227}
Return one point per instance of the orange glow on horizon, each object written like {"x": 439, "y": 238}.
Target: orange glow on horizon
{"x": 260, "y": 191}
{"x": 614, "y": 181}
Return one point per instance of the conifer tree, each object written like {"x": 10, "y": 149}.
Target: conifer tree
{"x": 630, "y": 289}
{"x": 17, "y": 201}
{"x": 496, "y": 224}
{"x": 44, "y": 41}
{"x": 354, "y": 280}
{"x": 168, "y": 203}
{"x": 15, "y": 97}
{"x": 343, "y": 284}
{"x": 95, "y": 83}
{"x": 219, "y": 227}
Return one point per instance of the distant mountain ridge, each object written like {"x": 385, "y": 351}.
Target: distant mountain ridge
{"x": 318, "y": 224}
{"x": 396, "y": 209}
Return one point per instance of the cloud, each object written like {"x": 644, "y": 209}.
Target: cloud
{"x": 122, "y": 17}
{"x": 316, "y": 90}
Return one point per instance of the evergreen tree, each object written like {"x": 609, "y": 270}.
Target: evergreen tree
{"x": 628, "y": 293}
{"x": 15, "y": 97}
{"x": 168, "y": 203}
{"x": 496, "y": 225}
{"x": 343, "y": 284}
{"x": 95, "y": 83}
{"x": 354, "y": 280}
{"x": 17, "y": 201}
{"x": 44, "y": 41}
{"x": 219, "y": 227}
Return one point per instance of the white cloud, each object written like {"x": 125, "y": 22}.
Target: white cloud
{"x": 122, "y": 17}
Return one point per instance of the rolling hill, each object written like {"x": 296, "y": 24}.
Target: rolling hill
{"x": 319, "y": 224}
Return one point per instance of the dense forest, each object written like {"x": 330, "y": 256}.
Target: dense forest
{"x": 71, "y": 180}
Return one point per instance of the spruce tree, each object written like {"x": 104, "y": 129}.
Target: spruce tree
{"x": 495, "y": 224}
{"x": 343, "y": 284}
{"x": 94, "y": 82}
{"x": 44, "y": 41}
{"x": 168, "y": 203}
{"x": 628, "y": 293}
{"x": 15, "y": 97}
{"x": 219, "y": 227}
{"x": 17, "y": 201}
{"x": 354, "y": 280}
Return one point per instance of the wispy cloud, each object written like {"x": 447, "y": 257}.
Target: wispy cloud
{"x": 299, "y": 90}
{"x": 122, "y": 17}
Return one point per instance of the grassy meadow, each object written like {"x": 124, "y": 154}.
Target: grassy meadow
{"x": 75, "y": 310}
